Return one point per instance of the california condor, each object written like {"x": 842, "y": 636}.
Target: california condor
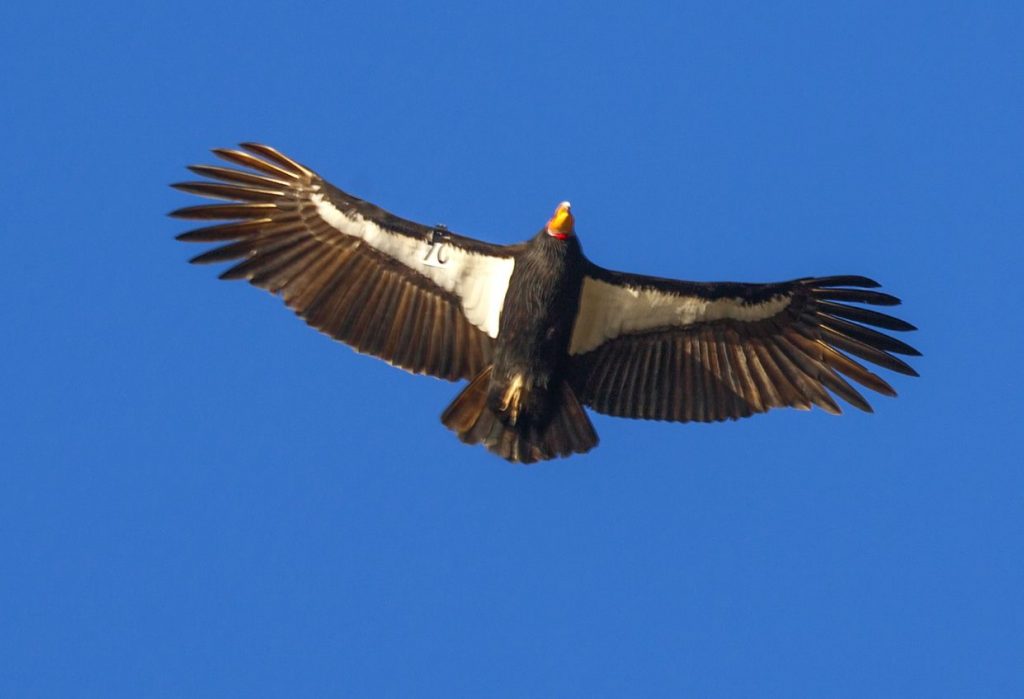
{"x": 537, "y": 329}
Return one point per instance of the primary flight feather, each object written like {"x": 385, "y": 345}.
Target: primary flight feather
{"x": 538, "y": 329}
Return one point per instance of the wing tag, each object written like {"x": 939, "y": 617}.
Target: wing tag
{"x": 437, "y": 255}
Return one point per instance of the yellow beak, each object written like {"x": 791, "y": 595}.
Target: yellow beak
{"x": 562, "y": 224}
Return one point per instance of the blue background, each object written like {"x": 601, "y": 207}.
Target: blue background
{"x": 202, "y": 497}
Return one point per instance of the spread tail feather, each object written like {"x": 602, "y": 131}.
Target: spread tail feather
{"x": 568, "y": 431}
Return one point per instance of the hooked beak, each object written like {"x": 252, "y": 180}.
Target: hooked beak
{"x": 562, "y": 225}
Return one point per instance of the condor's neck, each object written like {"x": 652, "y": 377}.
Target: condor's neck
{"x": 559, "y": 262}
{"x": 556, "y": 248}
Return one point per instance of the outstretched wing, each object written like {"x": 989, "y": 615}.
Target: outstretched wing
{"x": 662, "y": 349}
{"x": 422, "y": 298}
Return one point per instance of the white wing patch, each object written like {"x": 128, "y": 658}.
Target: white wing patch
{"x": 608, "y": 310}
{"x": 480, "y": 281}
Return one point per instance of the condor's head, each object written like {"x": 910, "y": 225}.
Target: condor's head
{"x": 562, "y": 225}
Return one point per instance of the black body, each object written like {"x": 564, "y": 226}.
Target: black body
{"x": 536, "y": 324}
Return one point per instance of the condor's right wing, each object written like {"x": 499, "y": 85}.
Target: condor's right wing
{"x": 420, "y": 297}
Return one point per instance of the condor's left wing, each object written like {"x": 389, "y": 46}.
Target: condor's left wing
{"x": 420, "y": 297}
{"x": 645, "y": 347}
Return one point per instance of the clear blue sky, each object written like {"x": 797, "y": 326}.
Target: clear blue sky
{"x": 202, "y": 497}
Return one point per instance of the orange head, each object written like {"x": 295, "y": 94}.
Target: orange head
{"x": 562, "y": 225}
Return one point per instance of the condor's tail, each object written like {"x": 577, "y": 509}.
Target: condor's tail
{"x": 568, "y": 431}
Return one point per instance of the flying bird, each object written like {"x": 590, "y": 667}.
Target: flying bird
{"x": 538, "y": 330}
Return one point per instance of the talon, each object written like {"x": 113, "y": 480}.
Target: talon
{"x": 511, "y": 399}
